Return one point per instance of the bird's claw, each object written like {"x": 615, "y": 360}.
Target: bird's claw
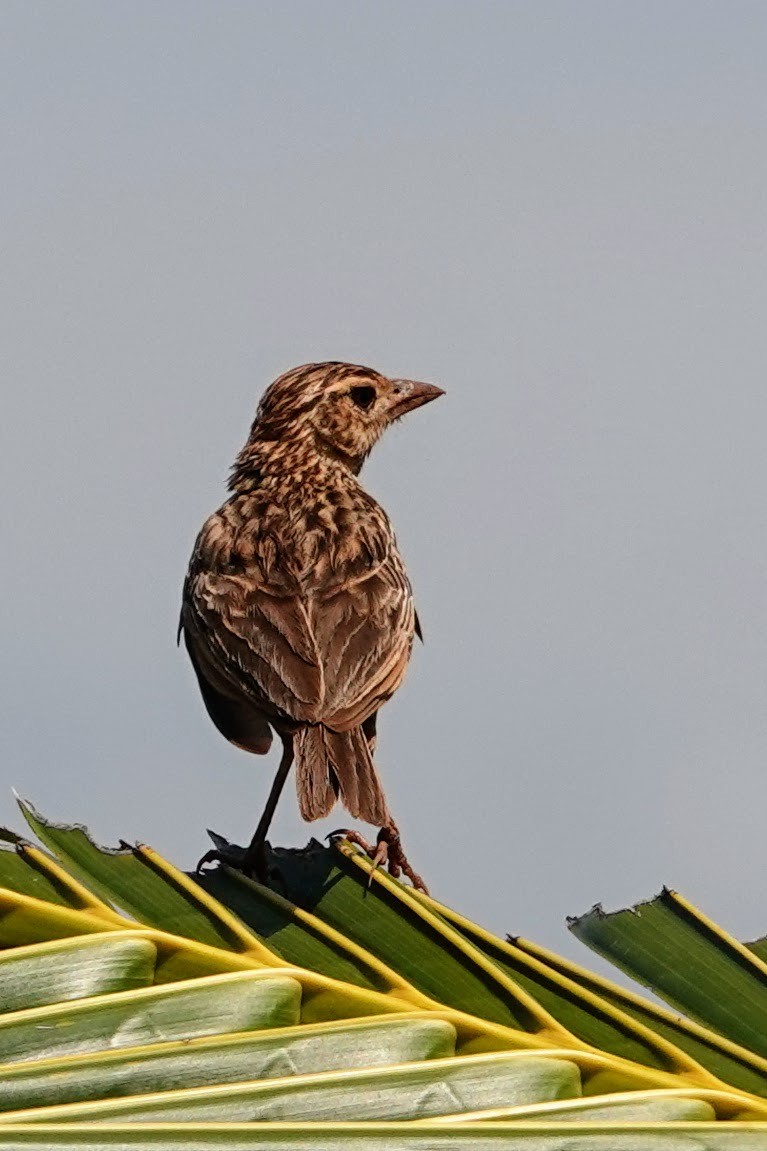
{"x": 374, "y": 853}
{"x": 345, "y": 833}
{"x": 251, "y": 861}
{"x": 231, "y": 854}
{"x": 386, "y": 851}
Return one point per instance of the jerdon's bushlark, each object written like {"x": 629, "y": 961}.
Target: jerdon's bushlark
{"x": 297, "y": 612}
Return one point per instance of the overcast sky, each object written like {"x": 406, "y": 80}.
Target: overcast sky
{"x": 556, "y": 211}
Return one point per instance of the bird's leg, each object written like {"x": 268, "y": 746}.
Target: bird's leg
{"x": 387, "y": 850}
{"x": 254, "y": 862}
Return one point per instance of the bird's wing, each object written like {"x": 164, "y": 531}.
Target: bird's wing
{"x": 262, "y": 643}
{"x": 332, "y": 654}
{"x": 247, "y": 629}
{"x": 364, "y": 632}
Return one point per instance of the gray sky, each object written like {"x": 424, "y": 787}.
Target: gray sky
{"x": 556, "y": 211}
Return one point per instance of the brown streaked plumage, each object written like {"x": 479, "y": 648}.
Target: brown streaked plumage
{"x": 297, "y": 612}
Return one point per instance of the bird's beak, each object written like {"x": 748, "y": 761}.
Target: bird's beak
{"x": 407, "y": 395}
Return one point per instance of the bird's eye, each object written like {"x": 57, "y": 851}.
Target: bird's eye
{"x": 363, "y": 396}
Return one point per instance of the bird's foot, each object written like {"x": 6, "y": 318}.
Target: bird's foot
{"x": 387, "y": 851}
{"x": 254, "y": 863}
{"x": 232, "y": 856}
{"x": 251, "y": 861}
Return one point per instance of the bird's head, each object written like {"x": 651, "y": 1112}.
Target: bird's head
{"x": 340, "y": 410}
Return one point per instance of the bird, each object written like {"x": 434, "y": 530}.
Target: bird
{"x": 297, "y": 611}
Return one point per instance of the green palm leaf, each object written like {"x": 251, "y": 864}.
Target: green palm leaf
{"x": 145, "y": 1009}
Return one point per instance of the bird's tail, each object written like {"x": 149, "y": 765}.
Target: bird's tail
{"x": 333, "y": 765}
